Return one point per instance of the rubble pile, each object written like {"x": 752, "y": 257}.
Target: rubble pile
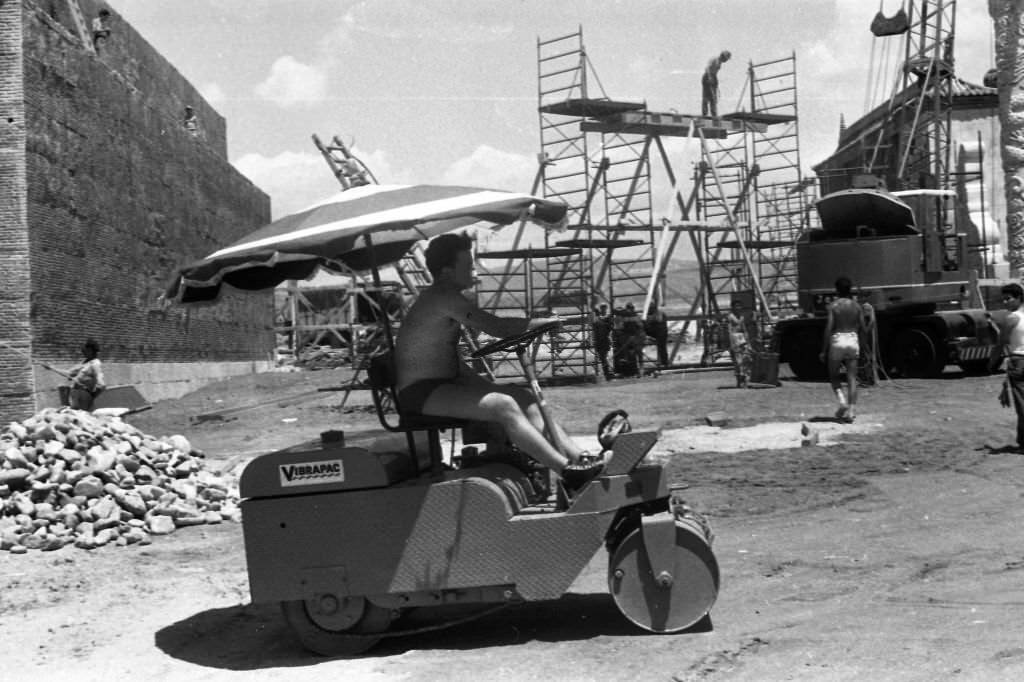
{"x": 68, "y": 476}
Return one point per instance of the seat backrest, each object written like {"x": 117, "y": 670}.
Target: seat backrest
{"x": 381, "y": 375}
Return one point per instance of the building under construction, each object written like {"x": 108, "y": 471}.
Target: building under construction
{"x": 738, "y": 208}
{"x": 743, "y": 203}
{"x": 738, "y": 200}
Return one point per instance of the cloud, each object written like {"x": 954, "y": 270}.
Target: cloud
{"x": 296, "y": 180}
{"x": 293, "y": 180}
{"x": 975, "y": 51}
{"x": 292, "y": 83}
{"x": 493, "y": 168}
{"x": 381, "y": 169}
{"x": 469, "y": 23}
{"x": 212, "y": 93}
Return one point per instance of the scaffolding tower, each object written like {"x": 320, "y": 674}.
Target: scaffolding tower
{"x": 605, "y": 181}
{"x": 742, "y": 214}
{"x": 924, "y": 127}
{"x": 606, "y": 184}
{"x": 756, "y": 184}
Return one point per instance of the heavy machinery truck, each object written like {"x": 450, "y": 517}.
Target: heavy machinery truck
{"x": 907, "y": 255}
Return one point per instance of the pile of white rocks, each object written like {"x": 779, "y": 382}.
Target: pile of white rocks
{"x": 72, "y": 477}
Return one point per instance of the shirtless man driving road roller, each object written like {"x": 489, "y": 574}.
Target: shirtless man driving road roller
{"x": 433, "y": 380}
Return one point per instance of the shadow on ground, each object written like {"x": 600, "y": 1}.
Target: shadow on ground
{"x": 254, "y": 637}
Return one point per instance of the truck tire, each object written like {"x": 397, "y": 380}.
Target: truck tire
{"x": 914, "y": 353}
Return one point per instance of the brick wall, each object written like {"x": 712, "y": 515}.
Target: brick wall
{"x": 16, "y": 385}
{"x": 115, "y": 193}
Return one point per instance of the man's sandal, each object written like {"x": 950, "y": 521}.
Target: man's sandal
{"x": 575, "y": 476}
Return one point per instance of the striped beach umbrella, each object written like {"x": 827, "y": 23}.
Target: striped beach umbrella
{"x": 358, "y": 229}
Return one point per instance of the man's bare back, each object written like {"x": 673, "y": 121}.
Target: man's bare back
{"x": 847, "y": 315}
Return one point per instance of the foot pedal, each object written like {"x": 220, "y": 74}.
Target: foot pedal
{"x": 629, "y": 449}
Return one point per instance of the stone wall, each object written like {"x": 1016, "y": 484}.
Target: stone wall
{"x": 116, "y": 193}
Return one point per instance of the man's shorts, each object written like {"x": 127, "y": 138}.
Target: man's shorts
{"x": 414, "y": 396}
{"x": 844, "y": 346}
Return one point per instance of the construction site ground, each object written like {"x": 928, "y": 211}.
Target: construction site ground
{"x": 889, "y": 550}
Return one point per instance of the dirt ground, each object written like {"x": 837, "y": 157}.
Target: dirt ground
{"x": 891, "y": 550}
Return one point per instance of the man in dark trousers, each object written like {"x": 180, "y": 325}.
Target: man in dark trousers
{"x": 656, "y": 326}
{"x": 1011, "y": 346}
{"x": 602, "y": 330}
{"x": 841, "y": 351}
{"x": 709, "y": 84}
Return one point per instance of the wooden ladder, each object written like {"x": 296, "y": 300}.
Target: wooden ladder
{"x": 348, "y": 171}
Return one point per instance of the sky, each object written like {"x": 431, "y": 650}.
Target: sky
{"x": 445, "y": 91}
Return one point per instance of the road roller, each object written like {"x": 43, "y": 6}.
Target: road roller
{"x": 358, "y": 544}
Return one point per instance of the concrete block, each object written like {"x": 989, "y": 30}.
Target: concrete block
{"x": 717, "y": 419}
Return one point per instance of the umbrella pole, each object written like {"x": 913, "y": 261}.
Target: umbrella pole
{"x": 377, "y": 283}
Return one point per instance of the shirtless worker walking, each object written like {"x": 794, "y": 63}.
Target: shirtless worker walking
{"x": 842, "y": 346}
{"x": 433, "y": 380}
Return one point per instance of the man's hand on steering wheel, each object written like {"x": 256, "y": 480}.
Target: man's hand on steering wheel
{"x": 516, "y": 341}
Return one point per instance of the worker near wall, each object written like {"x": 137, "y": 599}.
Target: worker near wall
{"x": 709, "y": 84}
{"x": 86, "y": 380}
{"x": 1011, "y": 346}
{"x": 843, "y": 331}
{"x": 191, "y": 122}
{"x": 100, "y": 29}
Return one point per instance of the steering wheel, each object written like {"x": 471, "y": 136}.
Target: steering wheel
{"x": 516, "y": 341}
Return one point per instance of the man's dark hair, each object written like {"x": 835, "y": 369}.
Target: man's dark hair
{"x": 90, "y": 344}
{"x": 442, "y": 250}
{"x": 1013, "y": 289}
{"x": 844, "y": 286}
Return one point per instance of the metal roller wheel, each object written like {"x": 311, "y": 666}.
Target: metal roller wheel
{"x": 665, "y": 603}
{"x": 336, "y": 626}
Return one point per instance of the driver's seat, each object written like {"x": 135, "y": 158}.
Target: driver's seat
{"x": 381, "y": 375}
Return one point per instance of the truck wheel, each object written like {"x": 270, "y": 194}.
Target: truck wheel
{"x": 803, "y": 349}
{"x": 913, "y": 354}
